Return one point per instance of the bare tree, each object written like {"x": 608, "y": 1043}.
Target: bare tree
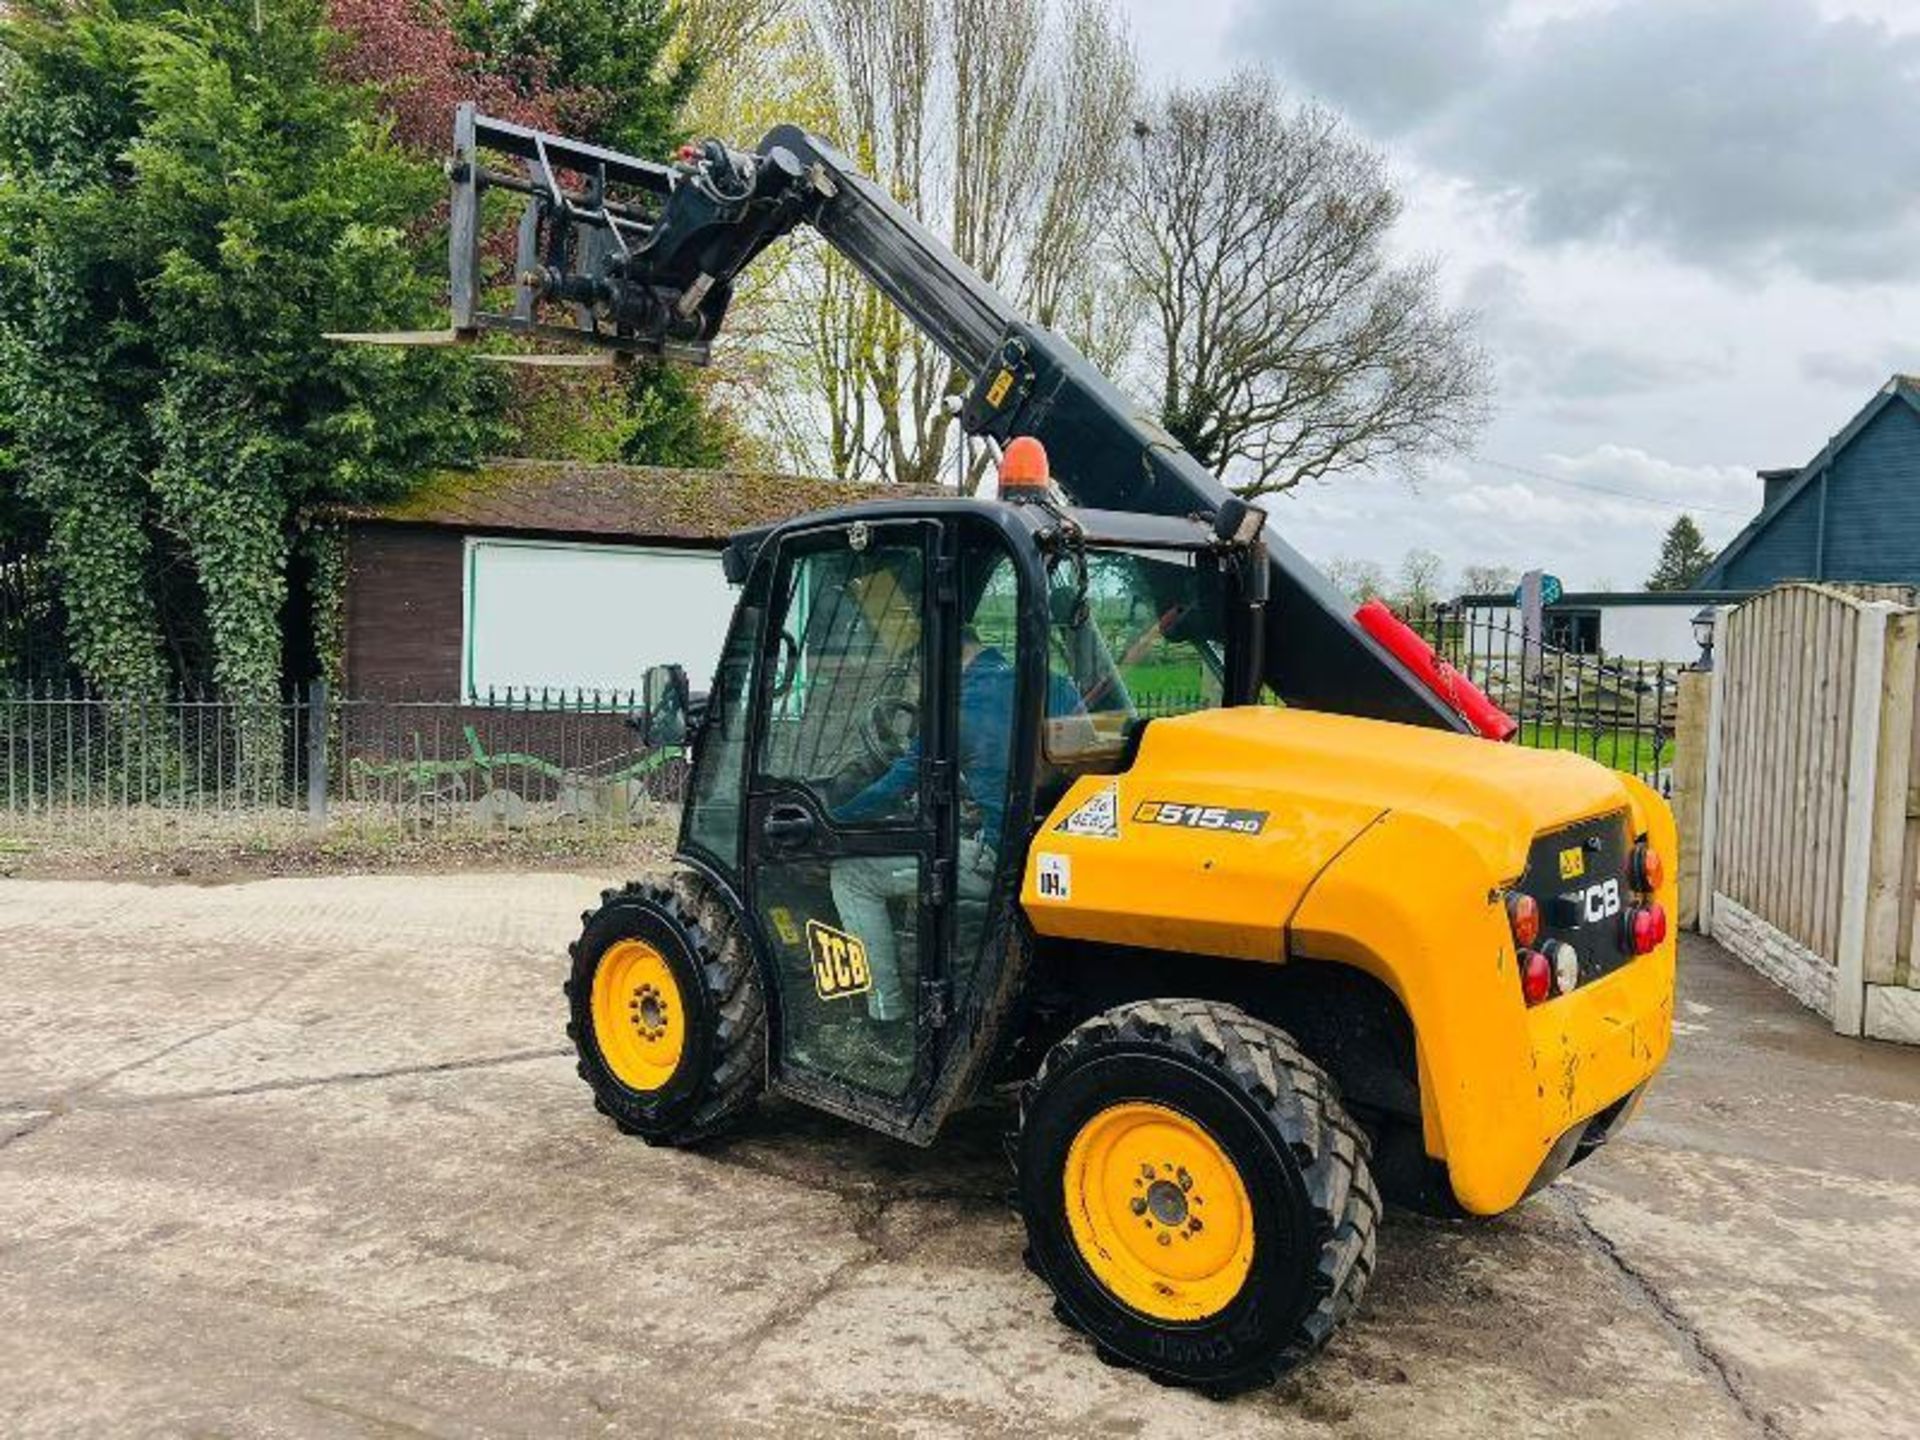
{"x": 1422, "y": 574}
{"x": 1286, "y": 343}
{"x": 1488, "y": 579}
{"x": 1002, "y": 126}
{"x": 1360, "y": 580}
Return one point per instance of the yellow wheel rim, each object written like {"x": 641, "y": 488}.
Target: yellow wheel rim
{"x": 1158, "y": 1212}
{"x": 639, "y": 1022}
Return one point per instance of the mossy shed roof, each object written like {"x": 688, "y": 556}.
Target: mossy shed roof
{"x": 626, "y": 502}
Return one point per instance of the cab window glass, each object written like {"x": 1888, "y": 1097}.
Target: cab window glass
{"x": 845, "y": 680}
{"x": 1136, "y": 635}
{"x": 713, "y": 814}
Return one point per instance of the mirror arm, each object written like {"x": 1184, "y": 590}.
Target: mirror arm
{"x": 1254, "y": 571}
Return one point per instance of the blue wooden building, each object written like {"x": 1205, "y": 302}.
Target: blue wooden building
{"x": 1852, "y": 513}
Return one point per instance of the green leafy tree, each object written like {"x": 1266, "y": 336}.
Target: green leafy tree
{"x": 1684, "y": 557}
{"x": 71, "y": 386}
{"x": 623, "y": 74}
{"x": 189, "y": 198}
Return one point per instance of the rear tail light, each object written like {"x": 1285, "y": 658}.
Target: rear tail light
{"x": 1523, "y": 914}
{"x": 1646, "y": 927}
{"x": 1536, "y": 976}
{"x": 1647, "y": 869}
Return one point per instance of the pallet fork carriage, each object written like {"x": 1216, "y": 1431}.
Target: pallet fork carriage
{"x": 1249, "y": 966}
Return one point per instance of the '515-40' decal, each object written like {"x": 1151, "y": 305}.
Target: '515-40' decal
{"x": 1200, "y": 817}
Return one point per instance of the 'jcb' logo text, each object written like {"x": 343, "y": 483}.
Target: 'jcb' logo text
{"x": 1597, "y": 902}
{"x": 839, "y": 962}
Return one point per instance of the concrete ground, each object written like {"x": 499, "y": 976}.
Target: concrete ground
{"x": 307, "y": 1157}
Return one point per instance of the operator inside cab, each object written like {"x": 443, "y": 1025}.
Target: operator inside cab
{"x": 865, "y": 887}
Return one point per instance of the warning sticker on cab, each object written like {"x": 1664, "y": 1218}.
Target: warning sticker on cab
{"x": 1053, "y": 877}
{"x": 1200, "y": 817}
{"x": 783, "y": 924}
{"x": 839, "y": 962}
{"x": 1097, "y": 816}
{"x": 1573, "y": 863}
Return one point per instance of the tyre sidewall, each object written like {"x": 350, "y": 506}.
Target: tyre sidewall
{"x": 651, "y": 1112}
{"x": 1277, "y": 1292}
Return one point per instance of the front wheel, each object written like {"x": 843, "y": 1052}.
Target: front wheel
{"x": 1195, "y": 1193}
{"x": 665, "y": 1011}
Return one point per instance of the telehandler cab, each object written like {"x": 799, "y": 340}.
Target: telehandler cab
{"x": 995, "y": 791}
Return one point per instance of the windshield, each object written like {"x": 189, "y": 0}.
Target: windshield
{"x": 1137, "y": 634}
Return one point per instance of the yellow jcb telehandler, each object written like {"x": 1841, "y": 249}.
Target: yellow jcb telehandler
{"x": 1094, "y": 789}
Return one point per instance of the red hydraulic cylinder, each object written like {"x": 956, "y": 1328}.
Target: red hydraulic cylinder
{"x": 1486, "y": 718}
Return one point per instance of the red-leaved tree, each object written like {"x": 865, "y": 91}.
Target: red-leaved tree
{"x": 407, "y": 50}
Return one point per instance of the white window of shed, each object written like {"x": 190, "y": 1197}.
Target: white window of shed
{"x": 553, "y": 615}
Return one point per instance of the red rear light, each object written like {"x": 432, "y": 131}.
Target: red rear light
{"x": 1648, "y": 870}
{"x": 1523, "y": 914}
{"x": 1536, "y": 976}
{"x": 1646, "y": 927}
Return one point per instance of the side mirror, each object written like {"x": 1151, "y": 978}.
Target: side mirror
{"x": 1068, "y": 610}
{"x": 664, "y": 706}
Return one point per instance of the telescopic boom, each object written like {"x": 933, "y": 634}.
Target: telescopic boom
{"x": 642, "y": 258}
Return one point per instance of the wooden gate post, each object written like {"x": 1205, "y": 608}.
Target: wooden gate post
{"x": 1891, "y": 1005}
{"x": 1689, "y": 779}
{"x": 1711, "y": 785}
{"x": 1863, "y": 755}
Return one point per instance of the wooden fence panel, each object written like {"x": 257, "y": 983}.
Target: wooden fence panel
{"x": 1786, "y": 692}
{"x": 1813, "y": 861}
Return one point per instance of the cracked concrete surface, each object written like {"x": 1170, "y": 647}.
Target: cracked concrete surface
{"x": 307, "y": 1157}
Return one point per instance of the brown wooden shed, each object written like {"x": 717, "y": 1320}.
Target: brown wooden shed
{"x": 548, "y": 573}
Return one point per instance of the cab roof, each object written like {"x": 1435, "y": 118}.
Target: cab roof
{"x": 1025, "y": 521}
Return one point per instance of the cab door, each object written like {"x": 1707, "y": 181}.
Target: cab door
{"x": 848, "y": 814}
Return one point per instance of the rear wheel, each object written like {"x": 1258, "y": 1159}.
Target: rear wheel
{"x": 1194, "y": 1193}
{"x": 665, "y": 1010}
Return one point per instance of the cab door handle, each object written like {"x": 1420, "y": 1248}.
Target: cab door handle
{"x": 787, "y": 826}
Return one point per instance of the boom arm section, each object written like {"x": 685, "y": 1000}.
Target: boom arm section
{"x": 645, "y": 256}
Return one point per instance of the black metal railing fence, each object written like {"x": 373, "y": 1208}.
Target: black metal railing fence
{"x": 505, "y": 758}
{"x": 1617, "y": 711}
{"x": 1613, "y": 709}
{"x": 523, "y": 757}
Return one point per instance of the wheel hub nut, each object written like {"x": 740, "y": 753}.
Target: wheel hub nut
{"x": 1168, "y": 1202}
{"x": 649, "y": 1012}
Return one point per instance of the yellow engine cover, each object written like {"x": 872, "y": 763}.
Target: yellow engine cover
{"x": 1210, "y": 840}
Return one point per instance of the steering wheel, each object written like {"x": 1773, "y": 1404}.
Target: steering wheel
{"x": 881, "y": 733}
{"x": 786, "y": 663}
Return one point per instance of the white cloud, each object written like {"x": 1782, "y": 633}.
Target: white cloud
{"x": 1708, "y": 129}
{"x": 1595, "y": 518}
{"x": 1628, "y": 356}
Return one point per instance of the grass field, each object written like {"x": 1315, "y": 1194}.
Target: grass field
{"x": 1165, "y": 686}
{"x": 1635, "y": 754}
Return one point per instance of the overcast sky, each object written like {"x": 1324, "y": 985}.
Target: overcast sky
{"x": 1691, "y": 228}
